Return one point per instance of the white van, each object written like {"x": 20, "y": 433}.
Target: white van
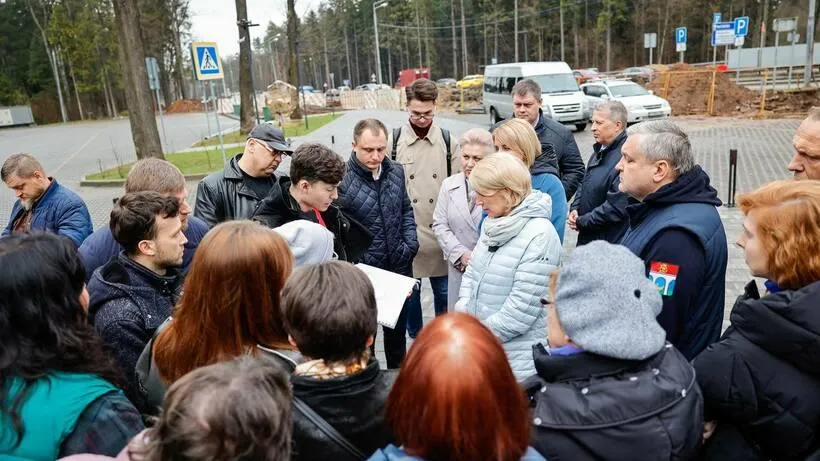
{"x": 562, "y": 99}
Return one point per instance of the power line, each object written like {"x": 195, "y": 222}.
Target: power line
{"x": 478, "y": 24}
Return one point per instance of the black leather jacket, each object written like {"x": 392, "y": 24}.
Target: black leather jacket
{"x": 351, "y": 239}
{"x": 353, "y": 405}
{"x": 223, "y": 196}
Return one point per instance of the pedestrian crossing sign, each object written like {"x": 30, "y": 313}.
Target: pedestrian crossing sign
{"x": 207, "y": 65}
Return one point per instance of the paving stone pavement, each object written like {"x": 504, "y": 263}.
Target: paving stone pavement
{"x": 764, "y": 150}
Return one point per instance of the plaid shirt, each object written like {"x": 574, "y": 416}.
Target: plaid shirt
{"x": 104, "y": 427}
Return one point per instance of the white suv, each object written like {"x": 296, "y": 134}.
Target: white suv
{"x": 640, "y": 103}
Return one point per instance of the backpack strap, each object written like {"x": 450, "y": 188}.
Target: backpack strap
{"x": 396, "y": 134}
{"x": 327, "y": 429}
{"x": 446, "y": 135}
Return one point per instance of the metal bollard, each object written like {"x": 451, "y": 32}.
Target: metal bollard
{"x": 730, "y": 203}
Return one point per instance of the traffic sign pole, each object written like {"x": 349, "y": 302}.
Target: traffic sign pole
{"x": 218, "y": 128}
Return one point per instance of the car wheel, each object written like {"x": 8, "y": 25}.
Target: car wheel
{"x": 580, "y": 127}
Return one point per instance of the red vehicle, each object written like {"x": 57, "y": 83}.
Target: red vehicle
{"x": 408, "y": 76}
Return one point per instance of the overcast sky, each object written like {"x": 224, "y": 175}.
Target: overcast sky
{"x": 215, "y": 20}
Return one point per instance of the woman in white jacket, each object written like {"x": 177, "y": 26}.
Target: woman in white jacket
{"x": 457, "y": 216}
{"x": 517, "y": 251}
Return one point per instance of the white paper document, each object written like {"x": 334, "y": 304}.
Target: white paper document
{"x": 391, "y": 292}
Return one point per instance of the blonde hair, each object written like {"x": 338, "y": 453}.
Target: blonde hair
{"x": 502, "y": 172}
{"x": 519, "y": 136}
{"x": 478, "y": 137}
{"x": 787, "y": 213}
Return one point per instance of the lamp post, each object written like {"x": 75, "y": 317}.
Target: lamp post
{"x": 376, "y": 6}
{"x": 272, "y": 51}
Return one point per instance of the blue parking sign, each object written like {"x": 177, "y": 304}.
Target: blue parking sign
{"x": 680, "y": 35}
{"x": 741, "y": 26}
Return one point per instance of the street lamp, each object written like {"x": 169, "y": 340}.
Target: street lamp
{"x": 272, "y": 51}
{"x": 376, "y": 6}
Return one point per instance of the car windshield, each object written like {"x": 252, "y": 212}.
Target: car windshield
{"x": 556, "y": 83}
{"x": 623, "y": 91}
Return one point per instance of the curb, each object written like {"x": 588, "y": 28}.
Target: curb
{"x": 120, "y": 182}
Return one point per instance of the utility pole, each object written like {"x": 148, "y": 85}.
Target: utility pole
{"x": 515, "y": 6}
{"x": 809, "y": 44}
{"x": 376, "y": 6}
{"x": 455, "y": 44}
{"x": 463, "y": 39}
{"x": 561, "y": 18}
{"x": 763, "y": 33}
{"x": 418, "y": 33}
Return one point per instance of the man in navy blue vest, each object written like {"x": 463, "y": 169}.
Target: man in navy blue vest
{"x": 675, "y": 228}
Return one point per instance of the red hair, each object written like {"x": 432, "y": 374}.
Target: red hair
{"x": 456, "y": 397}
{"x": 788, "y": 216}
{"x": 231, "y": 300}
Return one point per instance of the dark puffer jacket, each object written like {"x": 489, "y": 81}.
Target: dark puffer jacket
{"x": 590, "y": 407}
{"x": 383, "y": 207}
{"x": 762, "y": 379}
{"x": 353, "y": 405}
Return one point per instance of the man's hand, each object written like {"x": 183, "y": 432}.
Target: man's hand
{"x": 572, "y": 220}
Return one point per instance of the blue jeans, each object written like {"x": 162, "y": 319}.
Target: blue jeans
{"x": 414, "y": 316}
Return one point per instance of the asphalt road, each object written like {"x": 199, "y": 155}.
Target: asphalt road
{"x": 69, "y": 151}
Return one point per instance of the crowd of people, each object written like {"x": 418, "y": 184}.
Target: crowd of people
{"x": 241, "y": 328}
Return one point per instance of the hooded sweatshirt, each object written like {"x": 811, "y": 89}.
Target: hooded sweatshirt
{"x": 678, "y": 233}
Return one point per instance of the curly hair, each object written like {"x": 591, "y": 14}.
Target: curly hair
{"x": 238, "y": 410}
{"x": 43, "y": 325}
{"x": 787, "y": 215}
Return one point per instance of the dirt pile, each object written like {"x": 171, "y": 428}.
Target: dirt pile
{"x": 689, "y": 88}
{"x": 450, "y": 99}
{"x": 182, "y": 106}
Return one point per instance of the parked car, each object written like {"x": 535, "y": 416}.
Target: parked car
{"x": 643, "y": 73}
{"x": 584, "y": 75}
{"x": 446, "y": 82}
{"x": 640, "y": 103}
{"x": 471, "y": 81}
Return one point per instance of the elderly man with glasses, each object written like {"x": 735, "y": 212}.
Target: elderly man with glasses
{"x": 424, "y": 151}
{"x": 234, "y": 192}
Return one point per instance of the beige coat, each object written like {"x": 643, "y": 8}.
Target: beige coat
{"x": 425, "y": 169}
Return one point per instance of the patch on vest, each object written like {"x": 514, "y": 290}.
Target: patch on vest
{"x": 663, "y": 275}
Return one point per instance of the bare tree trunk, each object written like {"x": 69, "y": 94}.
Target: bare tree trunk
{"x": 76, "y": 91}
{"x": 455, "y": 46}
{"x": 347, "y": 55}
{"x": 463, "y": 40}
{"x": 137, "y": 94}
{"x": 561, "y": 19}
{"x": 608, "y": 37}
{"x": 52, "y": 61}
{"x": 246, "y": 90}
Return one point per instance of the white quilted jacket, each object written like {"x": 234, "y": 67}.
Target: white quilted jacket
{"x": 509, "y": 274}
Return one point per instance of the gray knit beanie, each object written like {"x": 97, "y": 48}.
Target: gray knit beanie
{"x": 309, "y": 242}
{"x": 607, "y": 305}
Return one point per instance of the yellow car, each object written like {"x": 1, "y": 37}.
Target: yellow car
{"x": 471, "y": 81}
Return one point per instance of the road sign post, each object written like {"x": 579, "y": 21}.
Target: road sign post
{"x": 650, "y": 41}
{"x": 723, "y": 34}
{"x": 741, "y": 31}
{"x": 680, "y": 41}
{"x": 207, "y": 66}
{"x": 153, "y": 83}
